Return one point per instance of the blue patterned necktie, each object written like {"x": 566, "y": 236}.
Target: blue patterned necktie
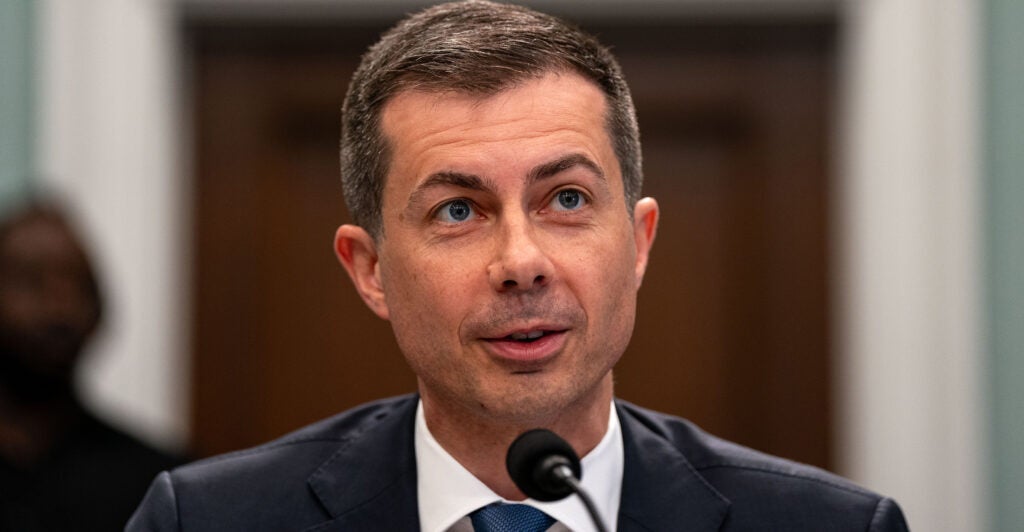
{"x": 500, "y": 517}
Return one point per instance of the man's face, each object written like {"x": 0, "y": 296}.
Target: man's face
{"x": 509, "y": 264}
{"x": 47, "y": 307}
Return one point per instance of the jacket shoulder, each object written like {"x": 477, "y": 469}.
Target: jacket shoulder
{"x": 763, "y": 488}
{"x": 302, "y": 444}
{"x": 265, "y": 486}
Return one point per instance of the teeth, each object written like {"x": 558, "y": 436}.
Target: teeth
{"x": 532, "y": 335}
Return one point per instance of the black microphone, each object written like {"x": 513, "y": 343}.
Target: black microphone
{"x": 545, "y": 467}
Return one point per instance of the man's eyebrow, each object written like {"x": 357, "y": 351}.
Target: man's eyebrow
{"x": 448, "y": 178}
{"x": 477, "y": 183}
{"x": 562, "y": 164}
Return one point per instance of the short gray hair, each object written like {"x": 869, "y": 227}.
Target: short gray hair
{"x": 475, "y": 47}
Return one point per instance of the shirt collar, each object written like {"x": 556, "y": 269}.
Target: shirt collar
{"x": 447, "y": 492}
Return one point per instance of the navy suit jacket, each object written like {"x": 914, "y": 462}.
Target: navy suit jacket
{"x": 357, "y": 471}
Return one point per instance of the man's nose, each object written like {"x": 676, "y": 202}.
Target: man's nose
{"x": 520, "y": 263}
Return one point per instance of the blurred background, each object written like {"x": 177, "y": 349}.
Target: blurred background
{"x": 836, "y": 277}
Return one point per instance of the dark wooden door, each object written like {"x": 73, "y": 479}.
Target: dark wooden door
{"x": 733, "y": 319}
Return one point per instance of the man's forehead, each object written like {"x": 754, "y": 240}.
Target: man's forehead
{"x": 38, "y": 232}
{"x": 439, "y": 95}
{"x": 536, "y": 106}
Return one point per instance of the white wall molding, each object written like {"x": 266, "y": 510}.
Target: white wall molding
{"x": 108, "y": 144}
{"x": 908, "y": 234}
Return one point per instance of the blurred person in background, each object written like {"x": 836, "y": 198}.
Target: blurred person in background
{"x": 61, "y": 468}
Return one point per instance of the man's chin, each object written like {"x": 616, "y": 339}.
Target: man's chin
{"x": 529, "y": 406}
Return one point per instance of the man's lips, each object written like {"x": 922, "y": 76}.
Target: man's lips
{"x": 528, "y": 345}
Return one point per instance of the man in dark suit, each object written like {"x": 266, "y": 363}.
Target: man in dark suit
{"x": 491, "y": 161}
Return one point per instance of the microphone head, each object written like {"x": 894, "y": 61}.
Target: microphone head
{"x": 532, "y": 460}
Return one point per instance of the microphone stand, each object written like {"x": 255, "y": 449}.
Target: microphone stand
{"x": 564, "y": 473}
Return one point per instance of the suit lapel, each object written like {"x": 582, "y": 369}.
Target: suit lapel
{"x": 660, "y": 488}
{"x": 370, "y": 483}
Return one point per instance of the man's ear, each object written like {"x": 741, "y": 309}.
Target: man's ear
{"x": 357, "y": 252}
{"x": 645, "y": 227}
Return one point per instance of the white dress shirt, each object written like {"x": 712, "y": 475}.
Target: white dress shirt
{"x": 448, "y": 493}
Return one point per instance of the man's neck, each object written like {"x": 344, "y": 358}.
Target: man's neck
{"x": 30, "y": 427}
{"x": 480, "y": 444}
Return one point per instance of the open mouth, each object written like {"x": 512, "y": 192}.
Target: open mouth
{"x": 528, "y": 346}
{"x": 526, "y": 337}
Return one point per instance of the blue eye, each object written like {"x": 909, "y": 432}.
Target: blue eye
{"x": 455, "y": 211}
{"x": 569, "y": 200}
